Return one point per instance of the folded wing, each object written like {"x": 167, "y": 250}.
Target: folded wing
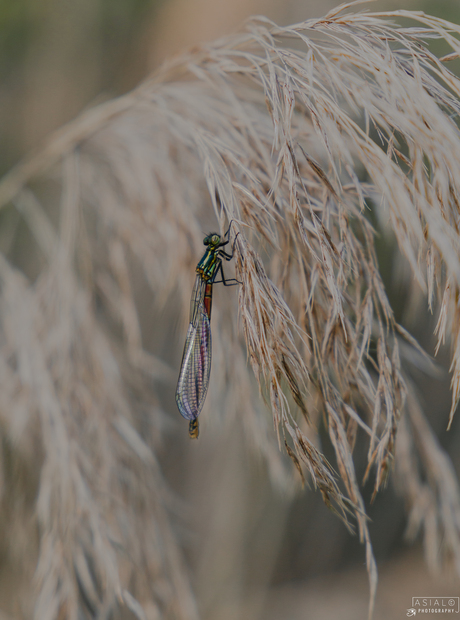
{"x": 196, "y": 359}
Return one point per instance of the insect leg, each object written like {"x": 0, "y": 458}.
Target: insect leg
{"x": 224, "y": 254}
{"x": 228, "y": 229}
{"x": 229, "y": 282}
{"x": 227, "y": 235}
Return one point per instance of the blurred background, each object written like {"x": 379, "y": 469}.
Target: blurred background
{"x": 253, "y": 551}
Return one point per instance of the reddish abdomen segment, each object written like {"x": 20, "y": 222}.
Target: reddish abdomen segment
{"x": 208, "y": 299}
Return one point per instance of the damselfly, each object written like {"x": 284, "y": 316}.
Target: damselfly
{"x": 196, "y": 359}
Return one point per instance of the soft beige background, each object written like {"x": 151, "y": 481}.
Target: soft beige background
{"x": 65, "y": 56}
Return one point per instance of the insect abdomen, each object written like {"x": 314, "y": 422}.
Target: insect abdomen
{"x": 194, "y": 429}
{"x": 208, "y": 299}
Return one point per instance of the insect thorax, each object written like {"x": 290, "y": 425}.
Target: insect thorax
{"x": 209, "y": 264}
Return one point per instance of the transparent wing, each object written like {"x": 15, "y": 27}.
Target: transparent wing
{"x": 196, "y": 359}
{"x": 197, "y": 299}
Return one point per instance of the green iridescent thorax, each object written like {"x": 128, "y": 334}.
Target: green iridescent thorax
{"x": 210, "y": 262}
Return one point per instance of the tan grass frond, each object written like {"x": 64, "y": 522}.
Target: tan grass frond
{"x": 429, "y": 484}
{"x": 303, "y": 136}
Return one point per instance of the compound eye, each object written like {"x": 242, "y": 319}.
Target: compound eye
{"x": 215, "y": 239}
{"x": 206, "y": 241}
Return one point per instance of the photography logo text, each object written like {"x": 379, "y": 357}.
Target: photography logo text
{"x": 434, "y": 605}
